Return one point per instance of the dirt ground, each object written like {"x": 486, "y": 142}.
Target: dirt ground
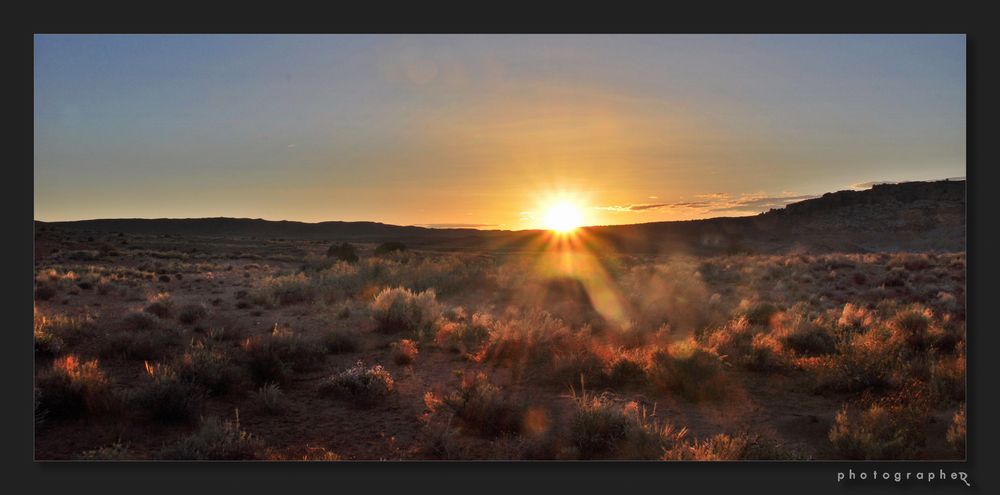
{"x": 217, "y": 274}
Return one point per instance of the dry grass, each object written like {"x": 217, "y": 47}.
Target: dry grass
{"x": 876, "y": 341}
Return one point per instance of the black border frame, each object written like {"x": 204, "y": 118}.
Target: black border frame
{"x": 799, "y": 17}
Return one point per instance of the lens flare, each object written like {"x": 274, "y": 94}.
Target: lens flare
{"x": 563, "y": 218}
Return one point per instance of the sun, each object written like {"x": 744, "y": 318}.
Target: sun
{"x": 563, "y": 218}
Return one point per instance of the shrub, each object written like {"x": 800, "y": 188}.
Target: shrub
{"x": 733, "y": 341}
{"x": 339, "y": 341}
{"x": 113, "y": 452}
{"x": 400, "y": 310}
{"x": 46, "y": 344}
{"x": 162, "y": 308}
{"x": 390, "y": 247}
{"x": 344, "y": 312}
{"x": 624, "y": 372}
{"x": 865, "y": 361}
{"x": 480, "y": 406}
{"x": 215, "y": 440}
{"x": 44, "y": 292}
{"x": 74, "y": 389}
{"x": 532, "y": 341}
{"x": 139, "y": 321}
{"x": 272, "y": 357}
{"x": 947, "y": 379}
{"x": 285, "y": 290}
{"x": 855, "y": 318}
{"x": 760, "y": 313}
{"x": 145, "y": 345}
{"x": 810, "y": 339}
{"x": 208, "y": 369}
{"x": 910, "y": 326}
{"x": 767, "y": 354}
{"x": 165, "y": 397}
{"x": 687, "y": 369}
{"x": 888, "y": 428}
{"x": 269, "y": 399}
{"x": 365, "y": 386}
{"x": 190, "y": 313}
{"x": 404, "y": 352}
{"x": 464, "y": 337}
{"x": 599, "y": 428}
{"x": 343, "y": 252}
{"x": 956, "y": 432}
{"x": 723, "y": 447}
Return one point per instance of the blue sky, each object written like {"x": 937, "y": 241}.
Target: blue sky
{"x": 484, "y": 130}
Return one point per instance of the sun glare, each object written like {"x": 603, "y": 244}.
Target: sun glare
{"x": 563, "y": 218}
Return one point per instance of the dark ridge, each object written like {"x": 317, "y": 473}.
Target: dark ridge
{"x": 909, "y": 216}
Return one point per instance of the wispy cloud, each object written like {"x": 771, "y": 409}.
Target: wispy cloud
{"x": 868, "y": 185}
{"x": 458, "y": 225}
{"x": 759, "y": 202}
{"x": 716, "y": 202}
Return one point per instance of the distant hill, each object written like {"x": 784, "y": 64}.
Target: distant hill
{"x": 910, "y": 216}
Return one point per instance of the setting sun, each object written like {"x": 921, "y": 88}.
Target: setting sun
{"x": 563, "y": 217}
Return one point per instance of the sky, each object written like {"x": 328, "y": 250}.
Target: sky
{"x": 485, "y": 131}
